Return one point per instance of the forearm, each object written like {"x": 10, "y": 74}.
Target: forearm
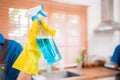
{"x": 24, "y": 76}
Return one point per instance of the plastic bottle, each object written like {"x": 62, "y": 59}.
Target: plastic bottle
{"x": 49, "y": 49}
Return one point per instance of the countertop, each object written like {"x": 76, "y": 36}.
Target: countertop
{"x": 93, "y": 73}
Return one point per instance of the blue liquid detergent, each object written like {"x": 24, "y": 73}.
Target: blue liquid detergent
{"x": 49, "y": 50}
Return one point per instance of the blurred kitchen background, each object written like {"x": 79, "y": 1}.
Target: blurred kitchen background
{"x": 78, "y": 24}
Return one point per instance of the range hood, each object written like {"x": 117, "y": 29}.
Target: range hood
{"x": 107, "y": 23}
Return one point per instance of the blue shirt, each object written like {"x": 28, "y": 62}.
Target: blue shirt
{"x": 13, "y": 51}
{"x": 116, "y": 55}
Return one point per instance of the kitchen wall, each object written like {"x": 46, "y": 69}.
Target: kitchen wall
{"x": 103, "y": 43}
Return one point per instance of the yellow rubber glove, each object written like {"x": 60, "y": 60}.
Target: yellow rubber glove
{"x": 28, "y": 59}
{"x": 47, "y": 28}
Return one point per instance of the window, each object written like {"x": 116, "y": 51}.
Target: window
{"x": 68, "y": 37}
{"x": 19, "y": 24}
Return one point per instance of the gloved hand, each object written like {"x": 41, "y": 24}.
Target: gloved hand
{"x": 29, "y": 57}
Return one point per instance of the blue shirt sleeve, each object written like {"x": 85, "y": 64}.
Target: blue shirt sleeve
{"x": 116, "y": 55}
{"x": 14, "y": 50}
